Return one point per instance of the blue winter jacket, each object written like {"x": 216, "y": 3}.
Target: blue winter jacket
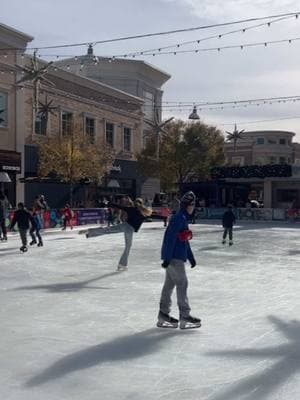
{"x": 172, "y": 247}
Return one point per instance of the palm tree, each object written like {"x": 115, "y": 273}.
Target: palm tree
{"x": 234, "y": 136}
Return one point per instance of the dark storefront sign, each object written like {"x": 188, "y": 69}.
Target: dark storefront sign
{"x": 10, "y": 161}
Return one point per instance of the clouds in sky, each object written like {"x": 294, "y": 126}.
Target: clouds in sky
{"x": 211, "y": 76}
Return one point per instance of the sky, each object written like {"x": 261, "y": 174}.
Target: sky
{"x": 213, "y": 76}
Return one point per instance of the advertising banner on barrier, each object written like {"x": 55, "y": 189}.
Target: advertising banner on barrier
{"x": 216, "y": 213}
{"x": 91, "y": 216}
{"x": 279, "y": 214}
{"x": 256, "y": 214}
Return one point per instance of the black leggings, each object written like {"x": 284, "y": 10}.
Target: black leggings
{"x": 229, "y": 231}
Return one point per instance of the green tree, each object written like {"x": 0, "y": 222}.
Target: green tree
{"x": 72, "y": 158}
{"x": 187, "y": 152}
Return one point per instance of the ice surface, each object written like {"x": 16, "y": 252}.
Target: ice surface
{"x": 74, "y": 329}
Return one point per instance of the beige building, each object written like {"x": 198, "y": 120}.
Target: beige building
{"x": 101, "y": 110}
{"x": 135, "y": 77}
{"x": 265, "y": 148}
{"x": 11, "y": 111}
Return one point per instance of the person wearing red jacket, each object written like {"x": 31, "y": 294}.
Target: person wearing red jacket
{"x": 68, "y": 215}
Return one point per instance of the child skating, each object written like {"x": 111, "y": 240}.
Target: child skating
{"x": 228, "y": 220}
{"x": 68, "y": 215}
{"x": 35, "y": 231}
{"x": 175, "y": 252}
{"x": 23, "y": 218}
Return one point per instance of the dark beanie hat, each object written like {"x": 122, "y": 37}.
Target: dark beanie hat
{"x": 187, "y": 199}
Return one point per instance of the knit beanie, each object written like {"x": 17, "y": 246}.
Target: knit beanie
{"x": 187, "y": 199}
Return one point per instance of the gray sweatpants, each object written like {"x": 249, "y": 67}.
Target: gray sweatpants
{"x": 23, "y": 236}
{"x": 128, "y": 234}
{"x": 175, "y": 276}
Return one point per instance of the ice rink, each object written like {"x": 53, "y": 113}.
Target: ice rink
{"x": 74, "y": 329}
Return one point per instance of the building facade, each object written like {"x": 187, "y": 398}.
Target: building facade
{"x": 268, "y": 147}
{"x": 101, "y": 111}
{"x": 11, "y": 111}
{"x": 135, "y": 77}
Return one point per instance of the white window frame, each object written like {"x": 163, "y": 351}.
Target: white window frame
{"x": 113, "y": 133}
{"x": 85, "y": 116}
{"x": 62, "y": 111}
{"x": 5, "y": 94}
{"x": 123, "y": 130}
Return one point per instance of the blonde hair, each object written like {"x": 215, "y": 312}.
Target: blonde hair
{"x": 139, "y": 204}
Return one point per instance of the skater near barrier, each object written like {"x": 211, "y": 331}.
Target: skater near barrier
{"x": 136, "y": 215}
{"x": 35, "y": 231}
{"x": 175, "y": 251}
{"x": 228, "y": 220}
{"x": 4, "y": 205}
{"x": 68, "y": 215}
{"x": 23, "y": 218}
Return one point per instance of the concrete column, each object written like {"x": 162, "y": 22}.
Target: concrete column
{"x": 267, "y": 193}
{"x": 20, "y": 137}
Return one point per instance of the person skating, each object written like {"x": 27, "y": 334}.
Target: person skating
{"x": 35, "y": 231}
{"x": 175, "y": 252}
{"x": 228, "y": 220}
{"x": 68, "y": 215}
{"x": 136, "y": 215}
{"x": 23, "y": 218}
{"x": 4, "y": 205}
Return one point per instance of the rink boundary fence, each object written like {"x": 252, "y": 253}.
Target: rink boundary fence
{"x": 54, "y": 218}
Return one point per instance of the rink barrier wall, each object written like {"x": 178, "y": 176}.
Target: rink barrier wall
{"x": 83, "y": 216}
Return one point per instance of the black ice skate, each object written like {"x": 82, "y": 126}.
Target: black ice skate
{"x": 190, "y": 322}
{"x": 32, "y": 242}
{"x": 23, "y": 249}
{"x": 230, "y": 242}
{"x": 4, "y": 239}
{"x": 223, "y": 241}
{"x": 40, "y": 244}
{"x": 166, "y": 321}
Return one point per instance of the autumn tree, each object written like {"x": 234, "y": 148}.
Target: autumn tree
{"x": 187, "y": 152}
{"x": 74, "y": 157}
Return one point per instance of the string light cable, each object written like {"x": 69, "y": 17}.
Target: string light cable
{"x": 162, "y": 33}
{"x": 180, "y": 44}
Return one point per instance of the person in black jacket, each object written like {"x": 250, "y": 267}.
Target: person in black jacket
{"x": 228, "y": 220}
{"x": 136, "y": 215}
{"x": 23, "y": 218}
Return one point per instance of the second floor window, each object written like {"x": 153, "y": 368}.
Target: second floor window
{"x": 282, "y": 141}
{"x": 109, "y": 133}
{"x": 90, "y": 128}
{"x": 127, "y": 139}
{"x": 66, "y": 123}
{"x": 3, "y": 110}
{"x": 40, "y": 125}
{"x": 260, "y": 140}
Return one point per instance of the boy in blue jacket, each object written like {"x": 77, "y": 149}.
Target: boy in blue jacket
{"x": 175, "y": 251}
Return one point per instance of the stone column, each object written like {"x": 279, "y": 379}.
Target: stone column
{"x": 267, "y": 193}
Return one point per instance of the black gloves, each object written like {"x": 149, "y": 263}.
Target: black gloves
{"x": 193, "y": 263}
{"x": 165, "y": 264}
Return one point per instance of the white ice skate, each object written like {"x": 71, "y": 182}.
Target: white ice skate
{"x": 122, "y": 268}
{"x": 190, "y": 322}
{"x": 166, "y": 321}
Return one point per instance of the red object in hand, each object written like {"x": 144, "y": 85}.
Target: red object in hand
{"x": 185, "y": 236}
